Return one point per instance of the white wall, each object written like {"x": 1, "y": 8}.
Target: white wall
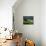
{"x": 43, "y": 22}
{"x": 29, "y": 8}
{"x": 6, "y": 13}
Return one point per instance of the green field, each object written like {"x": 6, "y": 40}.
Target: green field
{"x": 28, "y": 21}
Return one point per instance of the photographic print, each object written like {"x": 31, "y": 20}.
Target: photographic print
{"x": 28, "y": 20}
